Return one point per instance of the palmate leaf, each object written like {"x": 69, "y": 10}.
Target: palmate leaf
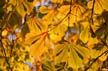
{"x": 38, "y": 48}
{"x": 76, "y": 13}
{"x": 37, "y": 43}
{"x": 36, "y": 38}
{"x": 22, "y": 7}
{"x": 35, "y": 25}
{"x": 70, "y": 53}
{"x": 99, "y": 5}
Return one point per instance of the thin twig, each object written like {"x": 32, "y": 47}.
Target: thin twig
{"x": 92, "y": 12}
{"x": 95, "y": 60}
{"x": 92, "y": 22}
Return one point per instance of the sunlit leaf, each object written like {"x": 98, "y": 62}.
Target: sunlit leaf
{"x": 44, "y": 9}
{"x": 85, "y": 34}
{"x": 105, "y": 4}
{"x": 74, "y": 60}
{"x": 99, "y": 5}
{"x": 57, "y": 33}
{"x": 53, "y": 35}
{"x": 36, "y": 26}
{"x": 76, "y": 13}
{"x": 70, "y": 53}
{"x": 20, "y": 10}
{"x": 4, "y": 33}
{"x": 95, "y": 53}
{"x": 95, "y": 66}
{"x": 38, "y": 48}
{"x": 57, "y": 1}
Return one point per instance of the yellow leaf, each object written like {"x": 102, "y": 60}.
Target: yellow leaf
{"x": 20, "y": 10}
{"x": 60, "y": 54}
{"x": 44, "y": 9}
{"x": 49, "y": 17}
{"x": 74, "y": 61}
{"x": 13, "y": 2}
{"x": 38, "y": 48}
{"x": 103, "y": 57}
{"x": 85, "y": 34}
{"x": 92, "y": 42}
{"x": 57, "y": 1}
{"x": 4, "y": 33}
{"x": 69, "y": 53}
{"x": 57, "y": 33}
{"x": 23, "y": 7}
{"x": 95, "y": 53}
{"x": 105, "y": 3}
{"x": 28, "y": 6}
{"x": 9, "y": 8}
{"x": 95, "y": 66}
{"x": 37, "y": 43}
{"x": 36, "y": 26}
{"x": 76, "y": 14}
{"x": 82, "y": 51}
{"x": 64, "y": 9}
{"x": 31, "y": 37}
{"x": 98, "y": 6}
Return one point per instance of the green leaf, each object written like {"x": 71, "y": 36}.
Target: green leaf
{"x": 15, "y": 19}
{"x": 1, "y": 70}
{"x": 2, "y": 2}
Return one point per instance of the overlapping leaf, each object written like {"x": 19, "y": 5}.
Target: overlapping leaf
{"x": 22, "y": 7}
{"x": 76, "y": 13}
{"x": 56, "y": 33}
{"x": 95, "y": 53}
{"x": 99, "y": 5}
{"x": 85, "y": 34}
{"x": 36, "y": 38}
{"x": 70, "y": 53}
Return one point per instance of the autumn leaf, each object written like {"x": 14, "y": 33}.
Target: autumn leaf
{"x": 53, "y": 35}
{"x": 57, "y": 1}
{"x": 36, "y": 38}
{"x": 44, "y": 9}
{"x": 4, "y": 33}
{"x": 37, "y": 43}
{"x": 70, "y": 53}
{"x": 76, "y": 13}
{"x": 57, "y": 33}
{"x": 99, "y": 6}
{"x": 95, "y": 53}
{"x": 36, "y": 26}
{"x": 85, "y": 34}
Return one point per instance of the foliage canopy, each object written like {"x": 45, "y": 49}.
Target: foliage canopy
{"x": 54, "y": 35}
